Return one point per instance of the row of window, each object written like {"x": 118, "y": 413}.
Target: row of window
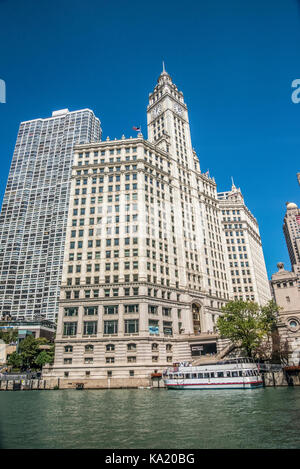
{"x": 131, "y": 347}
{"x": 131, "y": 326}
{"x": 130, "y": 359}
{"x": 216, "y": 374}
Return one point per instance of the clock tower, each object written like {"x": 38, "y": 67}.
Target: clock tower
{"x": 168, "y": 122}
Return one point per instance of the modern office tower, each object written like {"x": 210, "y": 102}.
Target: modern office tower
{"x": 291, "y": 229}
{"x": 298, "y": 177}
{"x": 144, "y": 275}
{"x": 34, "y": 212}
{"x": 247, "y": 269}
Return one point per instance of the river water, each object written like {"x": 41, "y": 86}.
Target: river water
{"x": 150, "y": 419}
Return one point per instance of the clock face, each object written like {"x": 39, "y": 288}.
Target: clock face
{"x": 178, "y": 109}
{"x": 156, "y": 111}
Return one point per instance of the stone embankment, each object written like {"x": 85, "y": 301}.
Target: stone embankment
{"x": 271, "y": 379}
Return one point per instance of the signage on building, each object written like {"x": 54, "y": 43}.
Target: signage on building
{"x": 197, "y": 348}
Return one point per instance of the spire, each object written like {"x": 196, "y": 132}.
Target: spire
{"x": 232, "y": 184}
{"x": 164, "y": 74}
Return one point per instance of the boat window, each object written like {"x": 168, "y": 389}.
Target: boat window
{"x": 220, "y": 374}
{"x": 212, "y": 375}
{"x": 227, "y": 374}
{"x": 187, "y": 376}
{"x": 200, "y": 375}
{"x": 194, "y": 375}
{"x": 234, "y": 374}
{"x": 206, "y": 375}
{"x": 240, "y": 373}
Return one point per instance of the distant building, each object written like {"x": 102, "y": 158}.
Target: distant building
{"x": 34, "y": 212}
{"x": 287, "y": 296}
{"x": 298, "y": 177}
{"x": 5, "y": 351}
{"x": 291, "y": 229}
{"x": 42, "y": 328}
{"x": 247, "y": 270}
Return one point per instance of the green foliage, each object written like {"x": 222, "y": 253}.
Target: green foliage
{"x": 44, "y": 357}
{"x": 9, "y": 335}
{"x": 15, "y": 360}
{"x": 29, "y": 354}
{"x": 246, "y": 324}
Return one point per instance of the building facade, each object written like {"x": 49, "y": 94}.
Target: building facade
{"x": 286, "y": 293}
{"x": 145, "y": 270}
{"x": 247, "y": 270}
{"x": 34, "y": 212}
{"x": 291, "y": 230}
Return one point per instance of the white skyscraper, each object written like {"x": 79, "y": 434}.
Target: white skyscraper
{"x": 34, "y": 212}
{"x": 247, "y": 270}
{"x": 145, "y": 270}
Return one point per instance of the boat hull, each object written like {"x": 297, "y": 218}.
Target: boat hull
{"x": 197, "y": 386}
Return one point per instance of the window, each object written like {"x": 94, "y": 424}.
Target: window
{"x": 71, "y": 311}
{"x": 131, "y": 308}
{"x": 70, "y": 328}
{"x": 110, "y": 360}
{"x": 152, "y": 309}
{"x": 89, "y": 327}
{"x": 131, "y": 347}
{"x": 110, "y": 327}
{"x": 131, "y": 326}
{"x": 293, "y": 323}
{"x": 88, "y": 360}
{"x": 91, "y": 310}
{"x": 167, "y": 328}
{"x": 110, "y": 348}
{"x": 131, "y": 359}
{"x": 88, "y": 348}
{"x": 111, "y": 309}
{"x": 68, "y": 348}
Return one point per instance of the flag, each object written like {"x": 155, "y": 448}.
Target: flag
{"x": 137, "y": 129}
{"x": 298, "y": 219}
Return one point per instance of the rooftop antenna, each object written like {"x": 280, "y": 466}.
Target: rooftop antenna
{"x": 164, "y": 67}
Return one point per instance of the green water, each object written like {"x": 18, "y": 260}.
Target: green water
{"x": 158, "y": 419}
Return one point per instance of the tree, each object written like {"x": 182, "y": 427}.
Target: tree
{"x": 9, "y": 335}
{"x": 15, "y": 360}
{"x": 44, "y": 357}
{"x": 31, "y": 355}
{"x": 246, "y": 324}
{"x": 28, "y": 349}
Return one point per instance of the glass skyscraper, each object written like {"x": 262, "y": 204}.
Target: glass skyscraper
{"x": 34, "y": 212}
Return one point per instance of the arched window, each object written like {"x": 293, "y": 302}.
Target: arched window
{"x": 110, "y": 348}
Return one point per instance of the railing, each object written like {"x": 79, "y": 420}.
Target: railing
{"x": 269, "y": 367}
{"x": 19, "y": 376}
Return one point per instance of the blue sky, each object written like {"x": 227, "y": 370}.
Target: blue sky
{"x": 234, "y": 61}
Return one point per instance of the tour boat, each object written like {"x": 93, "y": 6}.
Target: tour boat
{"x": 233, "y": 373}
